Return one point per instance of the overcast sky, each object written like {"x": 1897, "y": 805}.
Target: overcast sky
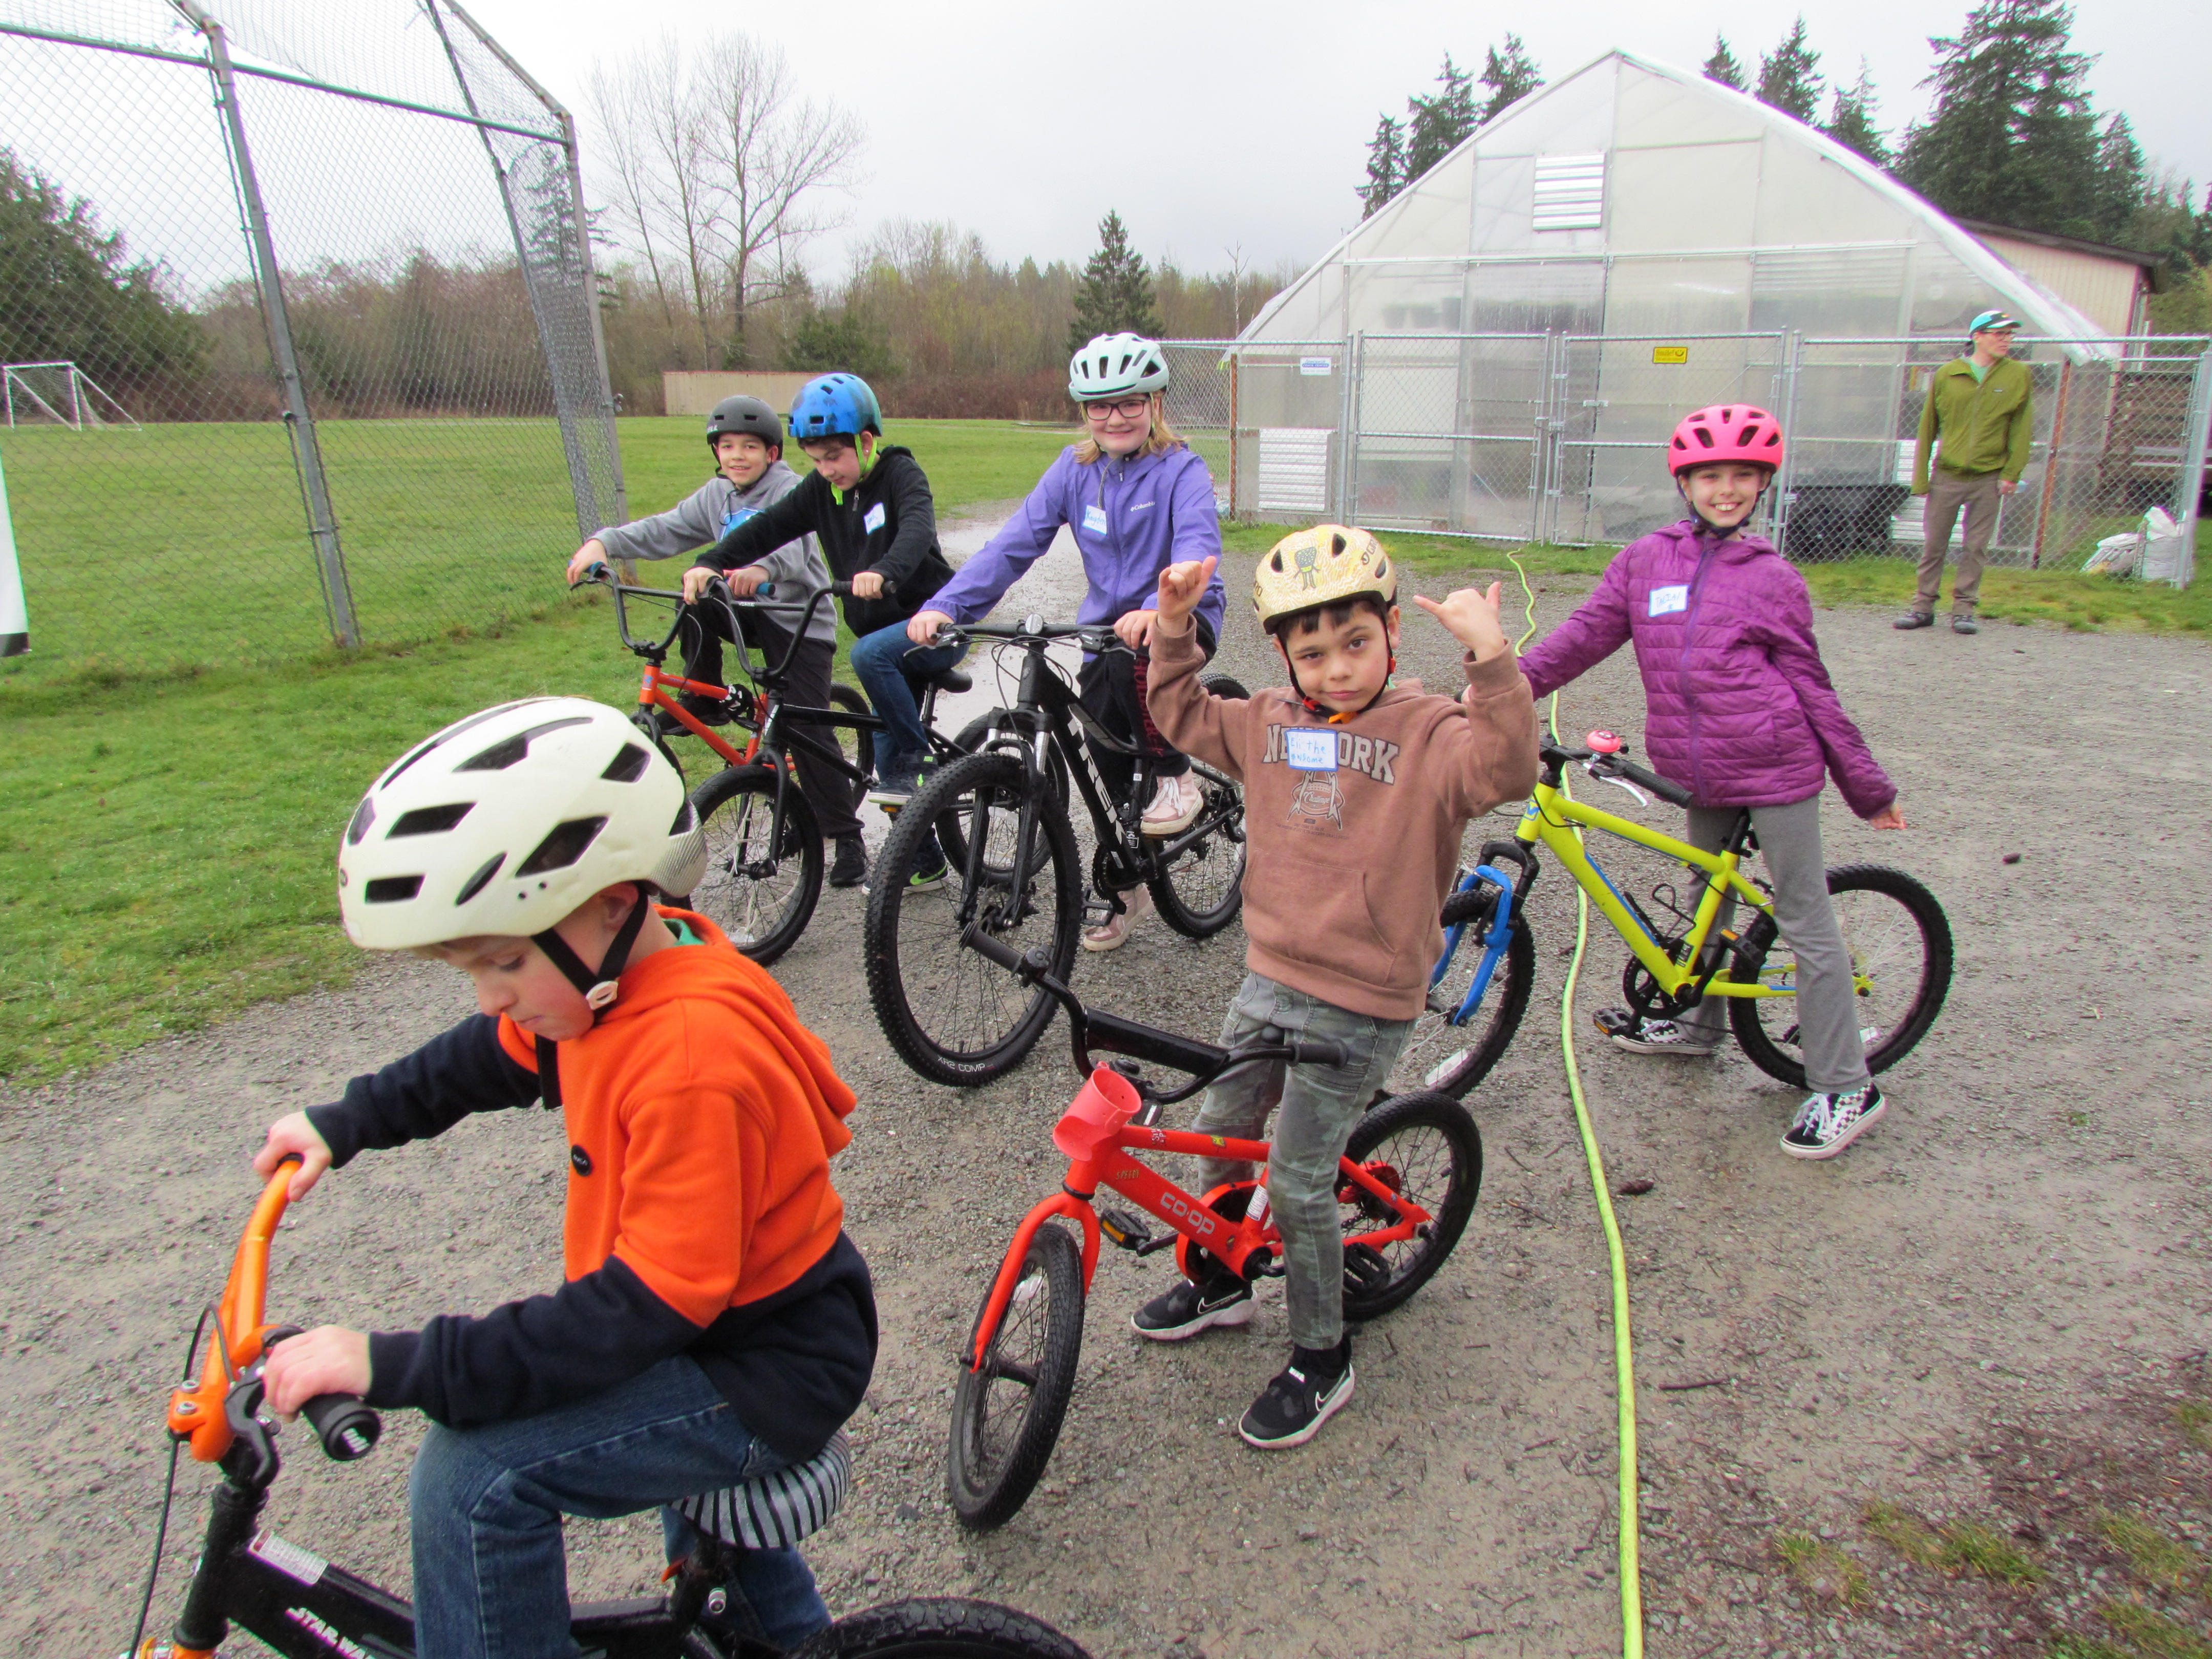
{"x": 1215, "y": 125}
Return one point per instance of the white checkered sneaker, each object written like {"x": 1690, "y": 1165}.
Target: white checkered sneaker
{"x": 1825, "y": 1124}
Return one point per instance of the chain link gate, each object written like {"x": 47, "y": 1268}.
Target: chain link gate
{"x": 329, "y": 273}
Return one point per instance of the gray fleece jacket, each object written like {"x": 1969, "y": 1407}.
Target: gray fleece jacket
{"x": 709, "y": 514}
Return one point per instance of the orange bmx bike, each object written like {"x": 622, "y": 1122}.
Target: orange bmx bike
{"x": 1406, "y": 1185}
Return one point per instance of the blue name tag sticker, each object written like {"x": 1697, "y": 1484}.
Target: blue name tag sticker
{"x": 1665, "y": 601}
{"x": 738, "y": 515}
{"x": 1309, "y": 750}
{"x": 1093, "y": 520}
{"x": 872, "y": 519}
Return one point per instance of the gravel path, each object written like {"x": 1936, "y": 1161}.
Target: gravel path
{"x": 1993, "y": 1291}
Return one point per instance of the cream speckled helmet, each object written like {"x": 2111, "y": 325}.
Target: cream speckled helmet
{"x": 1321, "y": 566}
{"x": 505, "y": 821}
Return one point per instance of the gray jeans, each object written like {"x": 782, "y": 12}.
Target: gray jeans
{"x": 1827, "y": 1014}
{"x": 1320, "y": 1106}
{"x": 1947, "y": 493}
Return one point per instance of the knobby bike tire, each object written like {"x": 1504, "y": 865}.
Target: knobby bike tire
{"x": 938, "y": 1627}
{"x": 1899, "y": 1007}
{"x": 1449, "y": 1059}
{"x": 1200, "y": 889}
{"x": 764, "y": 909}
{"x": 994, "y": 1460}
{"x": 1426, "y": 1146}
{"x": 951, "y": 1015}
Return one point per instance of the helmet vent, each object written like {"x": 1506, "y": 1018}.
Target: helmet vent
{"x": 686, "y": 821}
{"x": 390, "y": 889}
{"x": 508, "y": 750}
{"x": 362, "y": 818}
{"x": 475, "y": 884}
{"x": 430, "y": 820}
{"x": 1335, "y": 546}
{"x": 629, "y": 764}
{"x": 562, "y": 848}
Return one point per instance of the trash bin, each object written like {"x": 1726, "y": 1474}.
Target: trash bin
{"x": 1839, "y": 520}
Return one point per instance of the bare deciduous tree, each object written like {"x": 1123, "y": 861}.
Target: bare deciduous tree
{"x": 713, "y": 159}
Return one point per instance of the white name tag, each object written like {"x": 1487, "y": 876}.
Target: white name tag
{"x": 1665, "y": 601}
{"x": 872, "y": 519}
{"x": 1093, "y": 520}
{"x": 1309, "y": 750}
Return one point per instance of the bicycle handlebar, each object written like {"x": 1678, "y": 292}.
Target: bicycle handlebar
{"x": 1095, "y": 638}
{"x": 1615, "y": 764}
{"x": 716, "y": 592}
{"x": 1207, "y": 1062}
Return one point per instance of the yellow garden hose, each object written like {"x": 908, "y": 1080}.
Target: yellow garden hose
{"x": 1624, "y": 1356}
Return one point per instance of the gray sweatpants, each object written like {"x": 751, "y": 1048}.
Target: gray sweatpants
{"x": 1320, "y": 1106}
{"x": 1827, "y": 1014}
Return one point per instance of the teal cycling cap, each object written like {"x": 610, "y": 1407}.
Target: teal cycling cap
{"x": 1993, "y": 319}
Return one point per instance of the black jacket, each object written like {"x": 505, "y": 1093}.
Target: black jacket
{"x": 887, "y": 524}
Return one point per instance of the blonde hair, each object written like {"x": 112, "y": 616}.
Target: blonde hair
{"x": 1162, "y": 438}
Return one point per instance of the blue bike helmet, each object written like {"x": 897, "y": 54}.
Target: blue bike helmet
{"x": 835, "y": 405}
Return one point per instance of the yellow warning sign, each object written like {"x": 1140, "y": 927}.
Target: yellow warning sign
{"x": 1670, "y": 354}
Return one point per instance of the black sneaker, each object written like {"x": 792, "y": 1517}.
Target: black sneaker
{"x": 1825, "y": 1124}
{"x": 1189, "y": 1308}
{"x": 1305, "y": 1394}
{"x": 1965, "y": 625}
{"x": 1913, "y": 619}
{"x": 929, "y": 868}
{"x": 1655, "y": 1036}
{"x": 896, "y": 788}
{"x": 850, "y": 867}
{"x": 708, "y": 711}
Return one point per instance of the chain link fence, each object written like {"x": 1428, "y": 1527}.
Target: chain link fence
{"x": 1562, "y": 438}
{"x": 300, "y": 329}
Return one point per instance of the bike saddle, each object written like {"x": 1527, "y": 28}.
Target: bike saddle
{"x": 774, "y": 1510}
{"x": 953, "y": 680}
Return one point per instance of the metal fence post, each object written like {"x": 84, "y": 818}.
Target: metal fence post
{"x": 1236, "y": 362}
{"x": 1792, "y": 352}
{"x": 1348, "y": 418}
{"x": 2197, "y": 436}
{"x": 299, "y": 419}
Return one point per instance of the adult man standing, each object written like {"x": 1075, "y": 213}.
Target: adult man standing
{"x": 1979, "y": 422}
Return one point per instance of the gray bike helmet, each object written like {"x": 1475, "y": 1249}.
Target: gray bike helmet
{"x": 750, "y": 415}
{"x": 1116, "y": 365}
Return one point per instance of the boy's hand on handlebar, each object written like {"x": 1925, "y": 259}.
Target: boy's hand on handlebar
{"x": 921, "y": 626}
{"x": 329, "y": 1359}
{"x": 1891, "y": 816}
{"x": 698, "y": 578}
{"x": 1135, "y": 628}
{"x": 1471, "y": 614}
{"x": 868, "y": 584}
{"x": 1182, "y": 584}
{"x": 582, "y": 561}
{"x": 294, "y": 1136}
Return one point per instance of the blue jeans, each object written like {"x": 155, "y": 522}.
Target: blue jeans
{"x": 881, "y": 663}
{"x": 1321, "y": 1105}
{"x": 490, "y": 1575}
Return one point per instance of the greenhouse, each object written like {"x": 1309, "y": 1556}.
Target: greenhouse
{"x": 1503, "y": 349}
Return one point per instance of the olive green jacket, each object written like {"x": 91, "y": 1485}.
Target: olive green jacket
{"x": 1983, "y": 425}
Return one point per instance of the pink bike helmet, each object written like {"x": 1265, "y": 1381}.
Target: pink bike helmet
{"x": 1726, "y": 432}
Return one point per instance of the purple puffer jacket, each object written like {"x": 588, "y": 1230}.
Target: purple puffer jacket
{"x": 1740, "y": 711}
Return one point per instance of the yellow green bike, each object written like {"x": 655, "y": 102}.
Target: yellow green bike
{"x": 1898, "y": 937}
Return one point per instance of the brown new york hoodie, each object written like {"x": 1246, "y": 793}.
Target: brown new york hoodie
{"x": 1352, "y": 830}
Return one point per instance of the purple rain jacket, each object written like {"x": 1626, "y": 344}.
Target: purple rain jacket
{"x": 1130, "y": 519}
{"x": 1741, "y": 711}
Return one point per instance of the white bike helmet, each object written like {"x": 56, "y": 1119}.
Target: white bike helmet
{"x": 505, "y": 821}
{"x": 1115, "y": 366}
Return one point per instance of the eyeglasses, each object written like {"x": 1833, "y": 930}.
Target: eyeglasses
{"x": 1128, "y": 409}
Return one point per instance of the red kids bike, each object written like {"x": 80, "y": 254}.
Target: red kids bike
{"x": 1406, "y": 1184}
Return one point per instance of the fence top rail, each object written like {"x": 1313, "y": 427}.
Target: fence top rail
{"x": 2190, "y": 344}
{"x": 163, "y": 55}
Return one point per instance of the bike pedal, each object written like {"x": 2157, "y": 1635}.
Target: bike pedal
{"x": 1613, "y": 1022}
{"x": 1126, "y": 1232}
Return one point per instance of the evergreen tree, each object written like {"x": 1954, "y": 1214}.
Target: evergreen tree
{"x": 1722, "y": 65}
{"x": 850, "y": 342}
{"x": 2009, "y": 137}
{"x": 1436, "y": 125}
{"x": 1386, "y": 164}
{"x": 1850, "y": 122}
{"x": 1510, "y": 76}
{"x": 2123, "y": 186}
{"x": 70, "y": 292}
{"x": 1116, "y": 293}
{"x": 1789, "y": 76}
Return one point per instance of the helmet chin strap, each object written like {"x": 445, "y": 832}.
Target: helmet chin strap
{"x": 599, "y": 989}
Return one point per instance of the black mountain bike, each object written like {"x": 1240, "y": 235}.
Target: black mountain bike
{"x": 1002, "y": 815}
{"x": 764, "y": 863}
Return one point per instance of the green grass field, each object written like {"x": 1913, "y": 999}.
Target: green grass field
{"x": 168, "y": 813}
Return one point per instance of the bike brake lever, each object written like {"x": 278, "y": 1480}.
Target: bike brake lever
{"x": 1590, "y": 767}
